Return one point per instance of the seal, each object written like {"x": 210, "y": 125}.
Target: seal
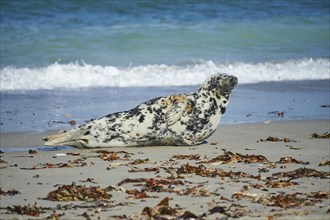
{"x": 179, "y": 120}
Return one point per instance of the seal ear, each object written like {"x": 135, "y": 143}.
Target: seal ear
{"x": 175, "y": 108}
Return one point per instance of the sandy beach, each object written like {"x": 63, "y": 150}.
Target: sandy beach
{"x": 65, "y": 63}
{"x": 274, "y": 170}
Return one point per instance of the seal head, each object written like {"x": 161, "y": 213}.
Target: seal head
{"x": 221, "y": 83}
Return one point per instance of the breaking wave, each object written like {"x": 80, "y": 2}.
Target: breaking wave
{"x": 82, "y": 75}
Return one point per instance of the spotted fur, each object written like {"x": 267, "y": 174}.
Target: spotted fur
{"x": 184, "y": 119}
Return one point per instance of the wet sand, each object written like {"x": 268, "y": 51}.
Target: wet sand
{"x": 240, "y": 172}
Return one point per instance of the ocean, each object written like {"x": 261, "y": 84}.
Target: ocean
{"x": 73, "y": 44}
{"x": 53, "y": 49}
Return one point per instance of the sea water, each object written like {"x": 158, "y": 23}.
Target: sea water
{"x": 73, "y": 44}
{"x": 70, "y": 47}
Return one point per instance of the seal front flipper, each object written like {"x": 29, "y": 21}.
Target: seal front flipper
{"x": 175, "y": 106}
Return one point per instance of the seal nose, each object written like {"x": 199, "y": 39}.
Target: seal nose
{"x": 233, "y": 80}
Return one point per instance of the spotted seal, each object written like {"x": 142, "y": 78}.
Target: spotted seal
{"x": 183, "y": 119}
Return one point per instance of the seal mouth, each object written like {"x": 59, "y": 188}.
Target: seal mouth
{"x": 231, "y": 82}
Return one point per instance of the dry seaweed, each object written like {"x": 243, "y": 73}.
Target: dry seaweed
{"x": 109, "y": 156}
{"x": 187, "y": 157}
{"x": 195, "y": 191}
{"x": 49, "y": 166}
{"x": 139, "y": 161}
{"x": 229, "y": 158}
{"x": 276, "y": 139}
{"x": 73, "y": 154}
{"x": 250, "y": 148}
{"x": 252, "y": 186}
{"x": 79, "y": 162}
{"x": 203, "y": 171}
{"x": 130, "y": 180}
{"x": 32, "y": 151}
{"x": 75, "y": 192}
{"x": 188, "y": 215}
{"x": 325, "y": 135}
{"x": 319, "y": 195}
{"x": 137, "y": 194}
{"x": 154, "y": 185}
{"x": 2, "y": 164}
{"x": 89, "y": 180}
{"x": 236, "y": 213}
{"x": 285, "y": 160}
{"x": 287, "y": 200}
{"x": 55, "y": 216}
{"x": 70, "y": 164}
{"x": 146, "y": 169}
{"x": 326, "y": 163}
{"x": 162, "y": 185}
{"x": 159, "y": 182}
{"x": 112, "y": 155}
{"x": 301, "y": 172}
{"x": 242, "y": 195}
{"x": 278, "y": 113}
{"x": 163, "y": 210}
{"x": 11, "y": 192}
{"x": 32, "y": 210}
{"x": 200, "y": 170}
{"x": 281, "y": 200}
{"x": 263, "y": 170}
{"x": 72, "y": 122}
{"x": 280, "y": 184}
{"x": 253, "y": 158}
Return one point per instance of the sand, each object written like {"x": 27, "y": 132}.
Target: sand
{"x": 197, "y": 186}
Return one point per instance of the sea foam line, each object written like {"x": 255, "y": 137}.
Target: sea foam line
{"x": 82, "y": 75}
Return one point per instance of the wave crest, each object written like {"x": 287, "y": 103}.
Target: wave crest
{"x": 82, "y": 75}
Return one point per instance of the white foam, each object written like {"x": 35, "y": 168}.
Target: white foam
{"x": 80, "y": 75}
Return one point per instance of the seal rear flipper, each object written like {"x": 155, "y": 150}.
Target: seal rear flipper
{"x": 69, "y": 138}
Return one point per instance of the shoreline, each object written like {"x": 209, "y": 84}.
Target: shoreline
{"x": 44, "y": 110}
{"x": 240, "y": 173}
{"x": 33, "y": 140}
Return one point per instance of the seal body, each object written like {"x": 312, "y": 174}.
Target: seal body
{"x": 183, "y": 119}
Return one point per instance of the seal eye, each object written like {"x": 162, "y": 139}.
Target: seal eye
{"x": 218, "y": 78}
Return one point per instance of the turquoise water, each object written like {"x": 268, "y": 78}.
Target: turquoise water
{"x": 77, "y": 44}
{"x": 125, "y": 33}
